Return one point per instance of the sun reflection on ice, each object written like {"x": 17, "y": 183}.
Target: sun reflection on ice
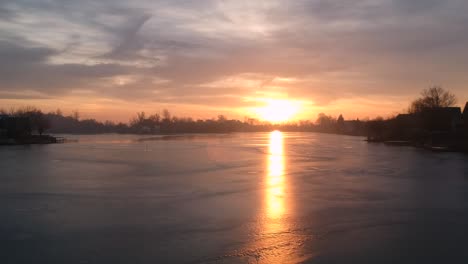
{"x": 275, "y": 241}
{"x": 275, "y": 177}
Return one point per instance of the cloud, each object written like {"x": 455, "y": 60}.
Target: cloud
{"x": 217, "y": 53}
{"x": 131, "y": 43}
{"x": 15, "y": 54}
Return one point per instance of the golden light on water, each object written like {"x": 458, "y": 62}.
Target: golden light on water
{"x": 278, "y": 244}
{"x": 275, "y": 177}
{"x": 275, "y": 243}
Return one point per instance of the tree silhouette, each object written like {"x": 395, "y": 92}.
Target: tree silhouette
{"x": 433, "y": 97}
{"x": 340, "y": 123}
{"x": 76, "y": 115}
{"x": 166, "y": 115}
{"x": 325, "y": 122}
{"x": 36, "y": 119}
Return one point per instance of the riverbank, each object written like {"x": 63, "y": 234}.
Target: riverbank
{"x": 30, "y": 140}
{"x": 460, "y": 147}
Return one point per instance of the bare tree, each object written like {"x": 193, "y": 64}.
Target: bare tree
{"x": 433, "y": 97}
{"x": 141, "y": 117}
{"x": 325, "y": 120}
{"x": 222, "y": 118}
{"x": 76, "y": 115}
{"x": 36, "y": 119}
{"x": 166, "y": 115}
{"x": 156, "y": 118}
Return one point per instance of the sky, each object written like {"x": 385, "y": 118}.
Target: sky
{"x": 111, "y": 59}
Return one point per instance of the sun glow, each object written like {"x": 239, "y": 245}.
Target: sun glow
{"x": 277, "y": 111}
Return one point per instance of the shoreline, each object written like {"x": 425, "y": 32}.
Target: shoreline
{"x": 426, "y": 146}
{"x": 32, "y": 140}
{"x": 49, "y": 139}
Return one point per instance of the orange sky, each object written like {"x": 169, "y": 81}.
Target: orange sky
{"x": 122, "y": 111}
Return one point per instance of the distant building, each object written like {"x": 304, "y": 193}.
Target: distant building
{"x": 465, "y": 113}
{"x": 409, "y": 121}
{"x": 465, "y": 119}
{"x": 442, "y": 126}
{"x": 443, "y": 119}
{"x": 352, "y": 127}
{"x": 407, "y": 126}
{"x": 3, "y": 126}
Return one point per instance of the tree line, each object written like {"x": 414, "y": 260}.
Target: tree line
{"x": 166, "y": 123}
{"x": 142, "y": 123}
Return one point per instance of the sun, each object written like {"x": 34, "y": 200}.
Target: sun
{"x": 277, "y": 111}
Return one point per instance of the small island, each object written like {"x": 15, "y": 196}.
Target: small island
{"x": 26, "y": 126}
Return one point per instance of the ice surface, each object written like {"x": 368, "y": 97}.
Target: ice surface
{"x": 237, "y": 198}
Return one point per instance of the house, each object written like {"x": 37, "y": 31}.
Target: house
{"x": 465, "y": 114}
{"x": 3, "y": 126}
{"x": 411, "y": 121}
{"x": 353, "y": 127}
{"x": 407, "y": 126}
{"x": 442, "y": 119}
{"x": 465, "y": 119}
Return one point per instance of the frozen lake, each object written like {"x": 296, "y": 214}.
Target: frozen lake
{"x": 239, "y": 198}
